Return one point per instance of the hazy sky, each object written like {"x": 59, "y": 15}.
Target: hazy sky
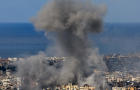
{"x": 23, "y": 10}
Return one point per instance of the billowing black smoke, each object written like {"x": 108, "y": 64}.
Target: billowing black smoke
{"x": 71, "y": 21}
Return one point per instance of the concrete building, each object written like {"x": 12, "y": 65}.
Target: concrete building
{"x": 124, "y": 88}
{"x": 87, "y": 87}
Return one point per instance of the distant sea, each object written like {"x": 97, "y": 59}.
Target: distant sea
{"x": 20, "y": 39}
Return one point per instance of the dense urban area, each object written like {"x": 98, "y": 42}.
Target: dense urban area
{"x": 121, "y": 75}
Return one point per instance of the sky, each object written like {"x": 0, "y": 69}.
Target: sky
{"x": 118, "y": 11}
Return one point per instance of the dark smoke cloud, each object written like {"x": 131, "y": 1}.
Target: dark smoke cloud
{"x": 71, "y": 21}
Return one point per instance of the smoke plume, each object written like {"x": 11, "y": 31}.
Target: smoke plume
{"x": 71, "y": 21}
